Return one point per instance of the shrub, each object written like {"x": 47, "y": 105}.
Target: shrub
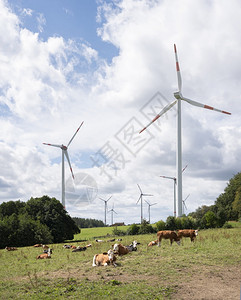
{"x": 133, "y": 230}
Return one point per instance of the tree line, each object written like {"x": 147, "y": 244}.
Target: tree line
{"x": 44, "y": 220}
{"x": 39, "y": 220}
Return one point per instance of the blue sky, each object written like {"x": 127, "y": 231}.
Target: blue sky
{"x": 70, "y": 19}
{"x": 111, "y": 64}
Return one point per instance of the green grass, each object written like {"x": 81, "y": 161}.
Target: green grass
{"x": 149, "y": 273}
{"x": 99, "y": 232}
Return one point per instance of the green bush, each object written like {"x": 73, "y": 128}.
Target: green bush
{"x": 133, "y": 230}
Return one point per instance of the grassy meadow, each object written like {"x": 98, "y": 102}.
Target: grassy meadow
{"x": 209, "y": 268}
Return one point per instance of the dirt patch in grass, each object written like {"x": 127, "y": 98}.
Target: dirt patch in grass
{"x": 205, "y": 282}
{"x": 219, "y": 283}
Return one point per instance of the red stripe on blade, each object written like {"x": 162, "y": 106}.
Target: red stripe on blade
{"x": 208, "y": 107}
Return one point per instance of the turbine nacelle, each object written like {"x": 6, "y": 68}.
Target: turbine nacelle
{"x": 63, "y": 147}
{"x": 178, "y": 95}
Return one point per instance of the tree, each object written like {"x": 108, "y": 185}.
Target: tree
{"x": 237, "y": 202}
{"x": 226, "y": 199}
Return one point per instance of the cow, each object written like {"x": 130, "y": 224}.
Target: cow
{"x": 152, "y": 243}
{"x": 104, "y": 259}
{"x": 120, "y": 249}
{"x": 112, "y": 240}
{"x": 48, "y": 250}
{"x": 99, "y": 241}
{"x": 45, "y": 246}
{"x": 167, "y": 234}
{"x": 132, "y": 246}
{"x": 38, "y": 245}
{"x": 11, "y": 248}
{"x": 187, "y": 233}
{"x": 67, "y": 246}
{"x": 78, "y": 249}
{"x": 89, "y": 245}
{"x": 45, "y": 255}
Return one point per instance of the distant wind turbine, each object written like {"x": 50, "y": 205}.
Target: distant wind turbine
{"x": 175, "y": 183}
{"x": 105, "y": 206}
{"x": 112, "y": 211}
{"x": 149, "y": 210}
{"x": 140, "y": 198}
{"x": 179, "y": 98}
{"x": 184, "y": 204}
{"x": 65, "y": 153}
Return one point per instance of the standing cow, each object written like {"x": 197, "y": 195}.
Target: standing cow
{"x": 167, "y": 234}
{"x": 187, "y": 233}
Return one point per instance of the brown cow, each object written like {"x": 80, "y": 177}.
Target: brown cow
{"x": 187, "y": 233}
{"x": 38, "y": 245}
{"x": 45, "y": 255}
{"x": 152, "y": 243}
{"x": 120, "y": 249}
{"x": 104, "y": 259}
{"x": 167, "y": 234}
{"x": 11, "y": 248}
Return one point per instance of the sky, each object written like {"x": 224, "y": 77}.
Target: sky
{"x": 111, "y": 65}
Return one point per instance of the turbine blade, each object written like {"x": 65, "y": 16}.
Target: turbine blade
{"x": 108, "y": 199}
{"x": 139, "y": 188}
{"x": 147, "y": 202}
{"x": 146, "y": 195}
{"x": 204, "y": 106}
{"x": 67, "y": 156}
{"x": 167, "y": 177}
{"x": 75, "y": 134}
{"x": 59, "y": 146}
{"x": 138, "y": 199}
{"x": 179, "y": 78}
{"x": 163, "y": 111}
{"x": 153, "y": 204}
{"x": 184, "y": 168}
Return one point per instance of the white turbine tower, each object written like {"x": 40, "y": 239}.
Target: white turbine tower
{"x": 112, "y": 211}
{"x": 175, "y": 183}
{"x": 179, "y": 97}
{"x": 149, "y": 210}
{"x": 65, "y": 153}
{"x": 140, "y": 198}
{"x": 105, "y": 206}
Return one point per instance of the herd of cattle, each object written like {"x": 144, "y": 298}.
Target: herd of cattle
{"x": 110, "y": 257}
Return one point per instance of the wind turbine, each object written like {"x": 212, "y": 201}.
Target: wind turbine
{"x": 65, "y": 153}
{"x": 105, "y": 206}
{"x": 179, "y": 97}
{"x": 175, "y": 183}
{"x": 184, "y": 204}
{"x": 112, "y": 211}
{"x": 149, "y": 210}
{"x": 140, "y": 198}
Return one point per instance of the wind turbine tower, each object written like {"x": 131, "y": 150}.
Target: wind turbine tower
{"x": 105, "y": 206}
{"x": 65, "y": 153}
{"x": 179, "y": 98}
{"x": 112, "y": 211}
{"x": 149, "y": 210}
{"x": 175, "y": 183}
{"x": 140, "y": 198}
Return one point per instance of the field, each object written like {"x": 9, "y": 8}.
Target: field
{"x": 210, "y": 268}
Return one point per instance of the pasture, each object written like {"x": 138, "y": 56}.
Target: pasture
{"x": 209, "y": 268}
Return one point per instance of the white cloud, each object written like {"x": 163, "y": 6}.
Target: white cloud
{"x": 47, "y": 88}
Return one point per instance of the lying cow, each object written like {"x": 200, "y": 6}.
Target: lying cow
{"x": 120, "y": 249}
{"x": 45, "y": 255}
{"x": 38, "y": 245}
{"x": 67, "y": 246}
{"x": 78, "y": 249}
{"x": 11, "y": 248}
{"x": 187, "y": 233}
{"x": 104, "y": 259}
{"x": 152, "y": 243}
{"x": 167, "y": 234}
{"x": 132, "y": 246}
